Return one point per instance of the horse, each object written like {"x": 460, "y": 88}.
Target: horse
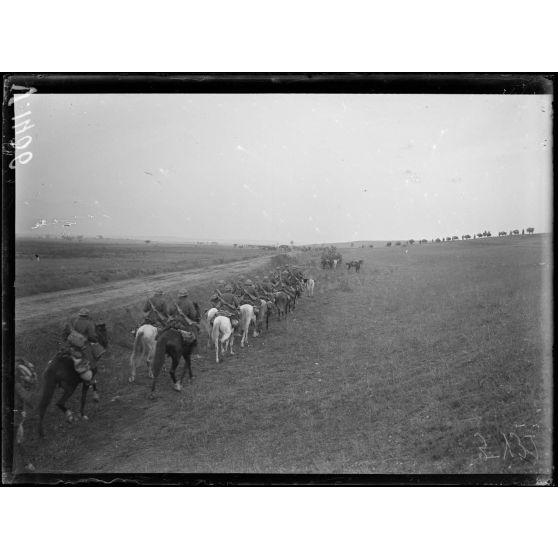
{"x": 60, "y": 372}
{"x": 310, "y": 286}
{"x": 222, "y": 326}
{"x": 282, "y": 304}
{"x": 171, "y": 342}
{"x": 208, "y": 316}
{"x": 269, "y": 309}
{"x": 144, "y": 345}
{"x": 263, "y": 315}
{"x": 247, "y": 317}
{"x": 356, "y": 264}
{"x": 298, "y": 290}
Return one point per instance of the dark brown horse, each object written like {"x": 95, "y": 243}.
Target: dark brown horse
{"x": 60, "y": 372}
{"x": 171, "y": 342}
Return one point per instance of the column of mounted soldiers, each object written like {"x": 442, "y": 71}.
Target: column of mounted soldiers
{"x": 81, "y": 335}
{"x": 227, "y": 297}
{"x": 85, "y": 341}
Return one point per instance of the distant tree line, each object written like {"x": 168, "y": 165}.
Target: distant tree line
{"x": 484, "y": 234}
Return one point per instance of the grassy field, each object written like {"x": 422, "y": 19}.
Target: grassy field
{"x": 68, "y": 265}
{"x": 434, "y": 360}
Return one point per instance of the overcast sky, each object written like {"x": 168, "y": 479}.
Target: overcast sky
{"x": 308, "y": 168}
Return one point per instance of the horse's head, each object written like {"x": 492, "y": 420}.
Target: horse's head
{"x": 102, "y": 335}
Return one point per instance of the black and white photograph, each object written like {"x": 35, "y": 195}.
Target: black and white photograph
{"x": 273, "y": 274}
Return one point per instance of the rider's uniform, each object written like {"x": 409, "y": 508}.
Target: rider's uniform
{"x": 250, "y": 296}
{"x": 229, "y": 302}
{"x": 183, "y": 307}
{"x": 84, "y": 325}
{"x": 156, "y": 310}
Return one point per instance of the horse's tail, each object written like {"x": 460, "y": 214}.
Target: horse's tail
{"x": 138, "y": 344}
{"x": 159, "y": 356}
{"x": 49, "y": 385}
{"x": 215, "y": 331}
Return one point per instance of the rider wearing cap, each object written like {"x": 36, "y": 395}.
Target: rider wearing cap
{"x": 155, "y": 310}
{"x": 249, "y": 294}
{"x": 228, "y": 301}
{"x": 268, "y": 289}
{"x": 258, "y": 287}
{"x": 238, "y": 286}
{"x": 183, "y": 312}
{"x": 84, "y": 325}
{"x": 218, "y": 292}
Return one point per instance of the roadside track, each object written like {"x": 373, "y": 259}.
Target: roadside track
{"x": 38, "y": 310}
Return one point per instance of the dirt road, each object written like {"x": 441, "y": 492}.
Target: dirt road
{"x": 36, "y": 310}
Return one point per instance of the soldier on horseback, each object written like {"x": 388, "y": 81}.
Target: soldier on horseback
{"x": 219, "y": 289}
{"x": 155, "y": 310}
{"x": 184, "y": 312}
{"x": 258, "y": 287}
{"x": 237, "y": 286}
{"x": 268, "y": 289}
{"x": 249, "y": 294}
{"x": 81, "y": 340}
{"x": 283, "y": 282}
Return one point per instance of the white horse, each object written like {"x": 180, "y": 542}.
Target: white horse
{"x": 222, "y": 326}
{"x": 335, "y": 262}
{"x": 247, "y": 317}
{"x": 310, "y": 286}
{"x": 144, "y": 345}
{"x": 209, "y": 315}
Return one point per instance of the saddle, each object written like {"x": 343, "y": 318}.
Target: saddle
{"x": 187, "y": 336}
{"x": 81, "y": 365}
{"x": 234, "y": 318}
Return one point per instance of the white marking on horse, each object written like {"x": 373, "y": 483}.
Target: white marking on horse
{"x": 247, "y": 317}
{"x": 209, "y": 315}
{"x": 222, "y": 326}
{"x": 310, "y": 286}
{"x": 144, "y": 345}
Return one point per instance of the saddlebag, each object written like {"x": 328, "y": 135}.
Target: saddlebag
{"x": 98, "y": 350}
{"x": 77, "y": 339}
